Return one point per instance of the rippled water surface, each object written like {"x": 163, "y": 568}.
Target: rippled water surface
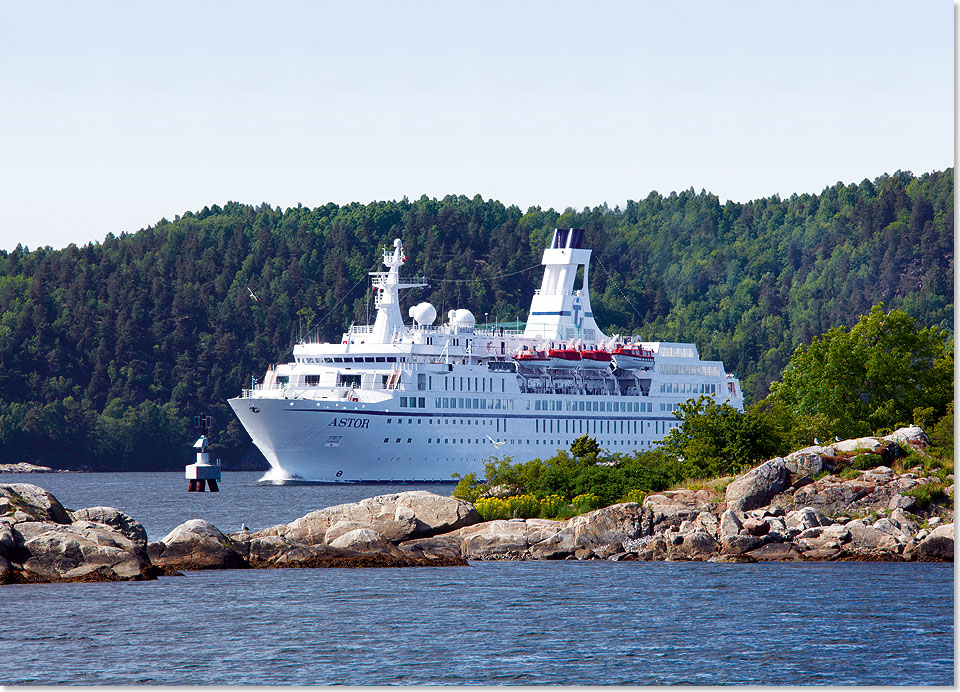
{"x": 492, "y": 623}
{"x": 489, "y": 623}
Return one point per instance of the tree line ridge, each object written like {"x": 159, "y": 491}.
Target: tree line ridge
{"x": 108, "y": 349}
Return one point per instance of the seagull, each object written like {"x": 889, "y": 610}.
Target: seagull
{"x": 253, "y": 295}
{"x": 496, "y": 444}
{"x": 243, "y": 526}
{"x": 816, "y": 441}
{"x": 836, "y": 439}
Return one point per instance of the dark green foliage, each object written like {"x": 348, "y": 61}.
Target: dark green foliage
{"x": 610, "y": 479}
{"x": 941, "y": 434}
{"x": 585, "y": 447}
{"x": 163, "y": 316}
{"x": 714, "y": 440}
{"x": 876, "y": 375}
{"x": 929, "y": 494}
{"x": 863, "y": 462}
{"x": 467, "y": 487}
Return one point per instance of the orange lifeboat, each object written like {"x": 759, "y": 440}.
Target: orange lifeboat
{"x": 532, "y": 358}
{"x": 633, "y": 358}
{"x": 596, "y": 360}
{"x": 564, "y": 358}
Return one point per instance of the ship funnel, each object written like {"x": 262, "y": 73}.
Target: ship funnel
{"x": 557, "y": 311}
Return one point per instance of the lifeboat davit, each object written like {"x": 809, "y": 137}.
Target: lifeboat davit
{"x": 596, "y": 360}
{"x": 633, "y": 358}
{"x": 564, "y": 358}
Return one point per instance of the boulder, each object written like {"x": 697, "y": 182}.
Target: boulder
{"x": 505, "y": 539}
{"x": 27, "y": 502}
{"x": 756, "y": 527}
{"x": 365, "y": 541}
{"x": 815, "y": 450}
{"x": 831, "y": 495}
{"x": 808, "y": 465}
{"x": 444, "y": 548}
{"x": 770, "y": 552}
{"x": 83, "y": 551}
{"x": 869, "y": 444}
{"x": 758, "y": 486}
{"x": 730, "y": 525}
{"x": 868, "y": 540}
{"x": 603, "y": 532}
{"x": 648, "y": 548}
{"x": 937, "y": 546}
{"x": 706, "y": 521}
{"x": 198, "y": 544}
{"x": 879, "y": 475}
{"x": 670, "y": 509}
{"x": 698, "y": 545}
{"x": 822, "y": 537}
{"x": 910, "y": 437}
{"x": 901, "y": 502}
{"x": 396, "y": 517}
{"x": 742, "y": 544}
{"x": 8, "y": 540}
{"x": 891, "y": 529}
{"x": 905, "y": 523}
{"x": 340, "y": 528}
{"x": 825, "y": 554}
{"x": 119, "y": 521}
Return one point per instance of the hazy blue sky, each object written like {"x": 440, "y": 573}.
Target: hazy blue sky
{"x": 117, "y": 114}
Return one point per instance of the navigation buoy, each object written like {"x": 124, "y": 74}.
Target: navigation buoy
{"x": 203, "y": 473}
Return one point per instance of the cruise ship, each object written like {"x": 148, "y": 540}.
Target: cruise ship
{"x": 416, "y": 402}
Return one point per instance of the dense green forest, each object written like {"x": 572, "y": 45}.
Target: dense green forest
{"x": 107, "y": 350}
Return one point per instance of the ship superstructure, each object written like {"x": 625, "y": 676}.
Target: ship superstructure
{"x": 418, "y": 402}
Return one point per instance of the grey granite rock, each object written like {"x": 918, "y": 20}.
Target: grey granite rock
{"x": 758, "y": 486}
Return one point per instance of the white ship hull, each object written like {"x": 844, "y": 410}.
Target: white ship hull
{"x": 358, "y": 443}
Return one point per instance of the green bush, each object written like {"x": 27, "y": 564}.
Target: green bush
{"x": 864, "y": 462}
{"x": 567, "y": 474}
{"x": 928, "y": 494}
{"x": 585, "y": 503}
{"x": 467, "y": 487}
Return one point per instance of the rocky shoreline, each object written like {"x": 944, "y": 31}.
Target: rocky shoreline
{"x": 791, "y": 508}
{"x": 25, "y": 467}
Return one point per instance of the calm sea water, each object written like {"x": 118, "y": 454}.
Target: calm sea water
{"x": 488, "y": 623}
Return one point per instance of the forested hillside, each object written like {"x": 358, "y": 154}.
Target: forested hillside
{"x": 107, "y": 350}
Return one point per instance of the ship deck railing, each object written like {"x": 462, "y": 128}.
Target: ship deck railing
{"x": 556, "y": 292}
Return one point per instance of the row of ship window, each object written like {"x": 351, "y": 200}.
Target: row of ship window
{"x": 687, "y": 388}
{"x": 482, "y": 404}
{"x": 447, "y": 440}
{"x": 351, "y": 359}
{"x": 576, "y": 426}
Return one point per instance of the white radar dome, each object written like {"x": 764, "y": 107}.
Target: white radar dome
{"x": 423, "y": 314}
{"x": 462, "y": 318}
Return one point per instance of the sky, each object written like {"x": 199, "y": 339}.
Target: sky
{"x": 117, "y": 114}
